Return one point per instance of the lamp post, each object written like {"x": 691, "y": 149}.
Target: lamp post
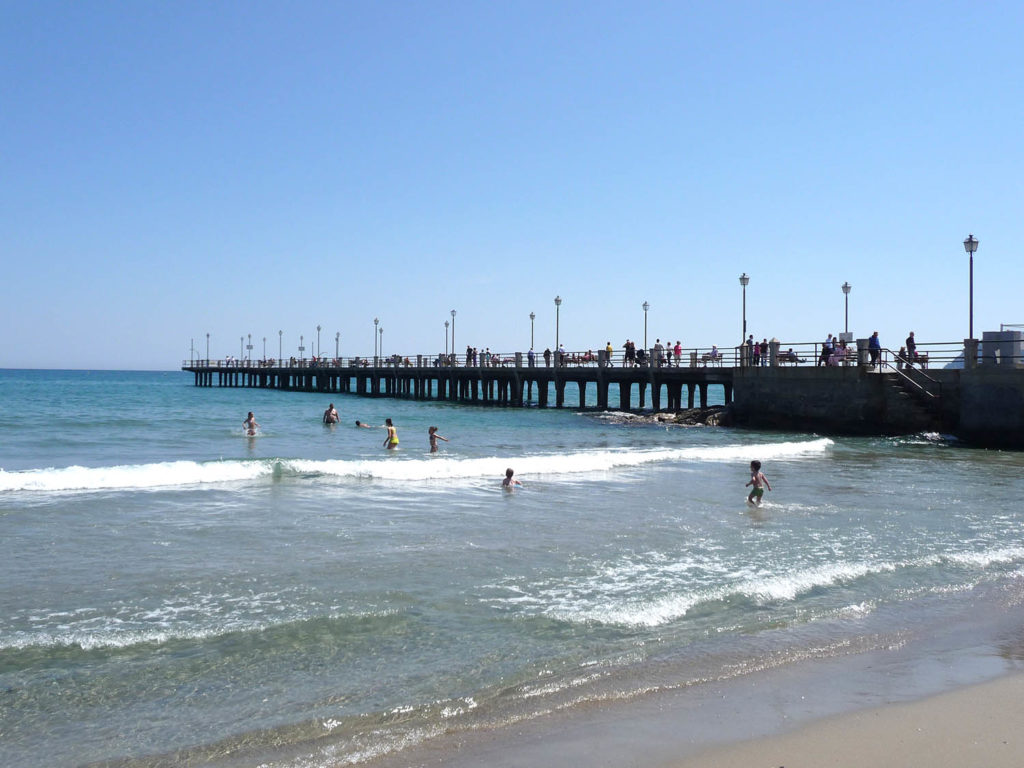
{"x": 446, "y": 338}
{"x": 376, "y": 320}
{"x": 302, "y": 347}
{"x": 264, "y": 348}
{"x": 532, "y": 318}
{"x": 207, "y": 349}
{"x": 846, "y": 316}
{"x": 248, "y": 347}
{"x": 241, "y": 346}
{"x": 337, "y": 344}
{"x": 318, "y": 341}
{"x": 744, "y": 279}
{"x": 381, "y": 331}
{"x": 646, "y": 307}
{"x": 971, "y": 245}
{"x": 453, "y": 331}
{"x": 280, "y": 341}
{"x": 558, "y": 309}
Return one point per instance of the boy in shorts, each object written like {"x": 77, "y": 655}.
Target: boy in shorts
{"x": 759, "y": 481}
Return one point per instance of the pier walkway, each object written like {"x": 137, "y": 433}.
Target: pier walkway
{"x": 509, "y": 384}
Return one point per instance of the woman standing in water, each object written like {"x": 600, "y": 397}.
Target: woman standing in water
{"x": 391, "y": 441}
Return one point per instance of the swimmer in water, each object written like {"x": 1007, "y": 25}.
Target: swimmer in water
{"x": 759, "y": 481}
{"x": 434, "y": 437}
{"x": 509, "y": 483}
{"x": 331, "y": 415}
{"x": 364, "y": 426}
{"x": 250, "y": 424}
{"x": 391, "y": 441}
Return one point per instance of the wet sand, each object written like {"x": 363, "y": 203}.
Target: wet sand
{"x": 975, "y": 726}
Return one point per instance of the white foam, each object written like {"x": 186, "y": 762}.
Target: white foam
{"x": 189, "y": 473}
{"x": 137, "y": 476}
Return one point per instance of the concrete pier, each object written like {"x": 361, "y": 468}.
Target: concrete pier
{"x": 668, "y": 388}
{"x": 982, "y": 404}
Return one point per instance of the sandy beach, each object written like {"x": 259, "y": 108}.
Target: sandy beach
{"x": 975, "y": 726}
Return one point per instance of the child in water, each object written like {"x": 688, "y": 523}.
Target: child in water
{"x": 509, "y": 483}
{"x": 759, "y": 481}
{"x": 434, "y": 437}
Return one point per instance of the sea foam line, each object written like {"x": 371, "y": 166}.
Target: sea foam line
{"x": 189, "y": 473}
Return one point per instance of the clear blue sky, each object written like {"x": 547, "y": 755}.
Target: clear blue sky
{"x": 173, "y": 169}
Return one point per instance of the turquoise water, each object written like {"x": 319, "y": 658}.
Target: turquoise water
{"x": 176, "y": 592}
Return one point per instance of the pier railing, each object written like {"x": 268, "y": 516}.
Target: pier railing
{"x": 927, "y": 355}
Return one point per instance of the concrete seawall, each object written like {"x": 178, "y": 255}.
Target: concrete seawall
{"x": 984, "y": 406}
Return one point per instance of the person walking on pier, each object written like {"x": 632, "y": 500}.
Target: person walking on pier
{"x": 331, "y": 415}
{"x": 630, "y": 348}
{"x": 391, "y": 441}
{"x": 547, "y": 357}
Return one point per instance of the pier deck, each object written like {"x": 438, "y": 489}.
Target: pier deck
{"x": 506, "y": 385}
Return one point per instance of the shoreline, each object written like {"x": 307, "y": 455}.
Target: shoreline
{"x": 977, "y": 725}
{"x": 903, "y": 703}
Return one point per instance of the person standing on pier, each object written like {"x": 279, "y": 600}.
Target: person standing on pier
{"x": 911, "y": 345}
{"x": 826, "y": 351}
{"x": 875, "y": 348}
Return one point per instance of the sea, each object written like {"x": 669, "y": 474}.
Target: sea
{"x": 177, "y": 592}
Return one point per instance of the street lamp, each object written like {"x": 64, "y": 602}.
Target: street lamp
{"x": 207, "y": 349}
{"x": 971, "y": 245}
{"x": 558, "y": 309}
{"x": 337, "y": 344}
{"x": 375, "y": 321}
{"x": 532, "y": 318}
{"x": 846, "y": 320}
{"x": 302, "y": 348}
{"x": 248, "y": 347}
{"x": 318, "y": 341}
{"x": 264, "y": 348}
{"x": 453, "y": 331}
{"x": 241, "y": 344}
{"x": 381, "y": 331}
{"x": 744, "y": 279}
{"x": 446, "y": 338}
{"x": 646, "y": 307}
{"x": 280, "y": 341}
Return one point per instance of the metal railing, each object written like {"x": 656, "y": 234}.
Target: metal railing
{"x": 927, "y": 355}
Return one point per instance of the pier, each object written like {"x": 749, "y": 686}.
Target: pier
{"x": 509, "y": 383}
{"x": 971, "y": 391}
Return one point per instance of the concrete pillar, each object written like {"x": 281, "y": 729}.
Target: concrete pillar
{"x": 625, "y": 388}
{"x": 863, "y": 353}
{"x": 970, "y": 353}
{"x": 519, "y": 359}
{"x": 773, "y": 352}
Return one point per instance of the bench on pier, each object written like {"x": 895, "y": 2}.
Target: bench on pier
{"x": 709, "y": 358}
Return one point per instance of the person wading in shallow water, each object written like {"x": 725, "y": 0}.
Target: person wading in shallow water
{"x": 331, "y": 415}
{"x": 391, "y": 441}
